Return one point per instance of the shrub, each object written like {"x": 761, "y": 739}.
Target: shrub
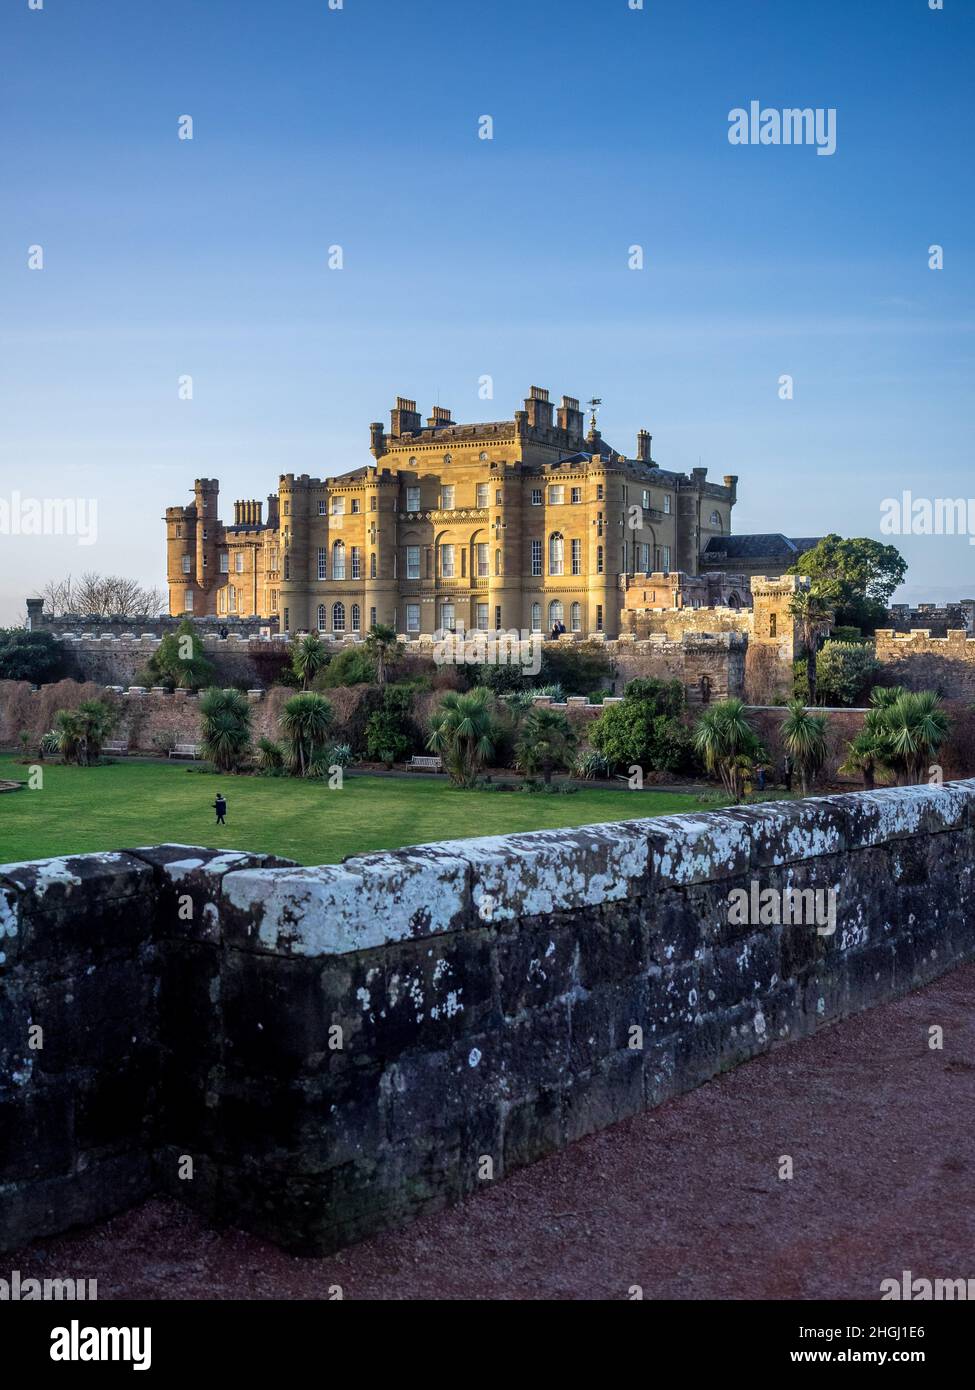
{"x": 269, "y": 756}
{"x": 646, "y": 729}
{"x": 179, "y": 661}
{"x": 385, "y": 739}
{"x": 37, "y": 657}
{"x": 845, "y": 671}
{"x": 728, "y": 745}
{"x": 577, "y": 667}
{"x": 351, "y": 666}
{"x": 341, "y": 755}
{"x": 591, "y": 764}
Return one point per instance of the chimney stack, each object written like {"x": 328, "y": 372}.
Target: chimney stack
{"x": 538, "y": 408}
{"x": 404, "y": 418}
{"x": 440, "y": 416}
{"x": 570, "y": 417}
{"x": 643, "y": 442}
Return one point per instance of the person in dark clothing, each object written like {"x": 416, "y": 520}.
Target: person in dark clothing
{"x": 220, "y": 806}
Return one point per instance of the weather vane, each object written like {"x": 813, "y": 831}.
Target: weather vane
{"x": 593, "y": 405}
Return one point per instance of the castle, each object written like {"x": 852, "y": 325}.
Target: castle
{"x": 515, "y": 524}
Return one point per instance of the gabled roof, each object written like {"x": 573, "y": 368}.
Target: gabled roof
{"x": 760, "y": 546}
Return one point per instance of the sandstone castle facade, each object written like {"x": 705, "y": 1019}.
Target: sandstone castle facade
{"x": 515, "y": 524}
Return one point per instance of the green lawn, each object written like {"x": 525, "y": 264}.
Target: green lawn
{"x": 124, "y": 804}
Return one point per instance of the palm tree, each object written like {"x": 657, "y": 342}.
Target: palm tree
{"x": 308, "y": 657}
{"x": 727, "y": 744}
{"x": 225, "y": 726}
{"x": 869, "y": 749}
{"x": 305, "y": 721}
{"x": 804, "y": 737}
{"x": 812, "y": 609}
{"x": 916, "y": 726}
{"x": 382, "y": 646}
{"x": 463, "y": 734}
{"x": 82, "y": 731}
{"x": 547, "y": 741}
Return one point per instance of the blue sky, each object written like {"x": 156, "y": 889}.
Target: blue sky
{"x": 466, "y": 257}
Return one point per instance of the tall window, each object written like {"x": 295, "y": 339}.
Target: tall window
{"x": 224, "y": 562}
{"x": 447, "y": 562}
{"x": 556, "y": 495}
{"x": 646, "y": 498}
{"x": 322, "y": 506}
{"x": 599, "y": 492}
{"x": 356, "y": 504}
{"x": 338, "y": 617}
{"x": 447, "y": 497}
{"x": 412, "y": 499}
{"x": 556, "y": 613}
{"x": 536, "y": 557}
{"x": 188, "y": 601}
{"x": 556, "y": 553}
{"x": 644, "y": 558}
{"x": 321, "y": 617}
{"x": 497, "y": 562}
{"x": 482, "y": 617}
{"x": 338, "y": 561}
{"x": 186, "y": 564}
{"x": 356, "y": 618}
{"x": 482, "y": 494}
{"x": 667, "y": 504}
{"x": 232, "y": 598}
{"x": 412, "y": 562}
{"x": 536, "y": 496}
{"x": 356, "y": 563}
{"x": 576, "y": 495}
{"x": 483, "y": 560}
{"x": 536, "y": 617}
{"x": 321, "y": 563}
{"x": 287, "y": 567}
{"x": 372, "y": 618}
{"x": 666, "y": 558}
{"x": 575, "y": 617}
{"x": 599, "y": 617}
{"x": 577, "y": 557}
{"x": 716, "y": 520}
{"x": 772, "y": 624}
{"x": 413, "y": 617}
{"x": 372, "y": 565}
{"x": 338, "y": 506}
{"x": 447, "y": 620}
{"x": 599, "y": 559}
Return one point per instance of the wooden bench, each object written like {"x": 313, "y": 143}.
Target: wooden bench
{"x": 185, "y": 750}
{"x": 121, "y": 749}
{"x": 434, "y": 764}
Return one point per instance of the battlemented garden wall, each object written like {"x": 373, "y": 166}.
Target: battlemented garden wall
{"x": 318, "y": 1053}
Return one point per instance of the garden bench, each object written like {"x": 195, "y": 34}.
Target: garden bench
{"x": 117, "y": 747}
{"x": 418, "y": 764}
{"x": 185, "y": 750}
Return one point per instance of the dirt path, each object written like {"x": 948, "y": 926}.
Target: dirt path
{"x": 685, "y": 1201}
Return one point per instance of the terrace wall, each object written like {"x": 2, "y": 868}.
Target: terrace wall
{"x": 318, "y": 1053}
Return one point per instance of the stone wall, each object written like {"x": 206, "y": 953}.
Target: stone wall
{"x": 338, "y": 1049}
{"x": 110, "y": 659}
{"x": 920, "y": 661}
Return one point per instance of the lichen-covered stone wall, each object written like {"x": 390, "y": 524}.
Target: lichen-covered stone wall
{"x": 318, "y": 1053}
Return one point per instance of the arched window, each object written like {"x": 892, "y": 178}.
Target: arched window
{"x": 497, "y": 562}
{"x": 556, "y": 612}
{"x": 556, "y": 553}
{"x": 536, "y": 617}
{"x": 321, "y": 617}
{"x": 338, "y": 617}
{"x": 356, "y": 618}
{"x": 338, "y": 560}
{"x": 716, "y": 520}
{"x": 705, "y": 690}
{"x": 575, "y": 620}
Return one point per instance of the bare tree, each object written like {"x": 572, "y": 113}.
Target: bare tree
{"x": 101, "y": 596}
